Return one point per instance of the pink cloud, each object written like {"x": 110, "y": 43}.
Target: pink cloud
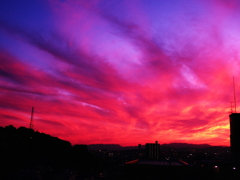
{"x": 98, "y": 76}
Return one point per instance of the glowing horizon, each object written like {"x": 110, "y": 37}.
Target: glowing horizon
{"x": 128, "y": 73}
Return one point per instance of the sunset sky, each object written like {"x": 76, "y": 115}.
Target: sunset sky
{"x": 121, "y": 72}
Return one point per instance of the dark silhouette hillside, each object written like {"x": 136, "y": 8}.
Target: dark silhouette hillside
{"x": 28, "y": 154}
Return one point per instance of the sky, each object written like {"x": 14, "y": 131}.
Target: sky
{"x": 121, "y": 72}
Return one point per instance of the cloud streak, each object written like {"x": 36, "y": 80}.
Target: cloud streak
{"x": 133, "y": 73}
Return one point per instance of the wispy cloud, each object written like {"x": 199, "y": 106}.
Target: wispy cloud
{"x": 133, "y": 73}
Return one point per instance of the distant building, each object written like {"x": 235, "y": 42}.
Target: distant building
{"x": 235, "y": 137}
{"x": 152, "y": 150}
{"x": 139, "y": 146}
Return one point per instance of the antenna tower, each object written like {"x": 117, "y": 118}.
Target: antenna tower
{"x": 234, "y": 93}
{"x": 231, "y": 106}
{"x": 31, "y": 121}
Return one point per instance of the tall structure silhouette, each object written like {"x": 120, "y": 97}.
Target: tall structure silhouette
{"x": 31, "y": 120}
{"x": 234, "y": 95}
{"x": 235, "y": 137}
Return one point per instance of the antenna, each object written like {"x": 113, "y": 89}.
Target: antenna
{"x": 231, "y": 106}
{"x": 31, "y": 121}
{"x": 234, "y": 92}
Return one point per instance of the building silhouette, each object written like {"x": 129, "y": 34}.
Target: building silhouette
{"x": 139, "y": 146}
{"x": 235, "y": 137}
{"x": 152, "y": 150}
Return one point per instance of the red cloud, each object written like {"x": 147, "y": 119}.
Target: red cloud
{"x": 172, "y": 81}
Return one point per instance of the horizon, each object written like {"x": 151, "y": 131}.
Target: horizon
{"x": 120, "y": 144}
{"x": 126, "y": 72}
